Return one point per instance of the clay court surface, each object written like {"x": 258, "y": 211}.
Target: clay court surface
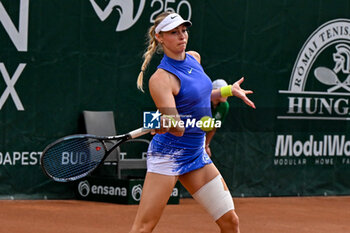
{"x": 257, "y": 215}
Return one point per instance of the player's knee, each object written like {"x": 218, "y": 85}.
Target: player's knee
{"x": 233, "y": 220}
{"x": 229, "y": 222}
{"x": 142, "y": 228}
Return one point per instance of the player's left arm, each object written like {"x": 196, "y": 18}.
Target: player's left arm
{"x": 234, "y": 90}
{"x": 241, "y": 93}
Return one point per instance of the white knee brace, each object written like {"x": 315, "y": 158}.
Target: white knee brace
{"x": 214, "y": 198}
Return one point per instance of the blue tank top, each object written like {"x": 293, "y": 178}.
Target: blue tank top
{"x": 192, "y": 101}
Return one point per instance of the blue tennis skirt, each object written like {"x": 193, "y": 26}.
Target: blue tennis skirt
{"x": 174, "y": 159}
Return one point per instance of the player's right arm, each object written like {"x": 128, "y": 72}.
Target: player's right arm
{"x": 163, "y": 87}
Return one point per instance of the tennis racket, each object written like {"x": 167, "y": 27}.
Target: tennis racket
{"x": 73, "y": 157}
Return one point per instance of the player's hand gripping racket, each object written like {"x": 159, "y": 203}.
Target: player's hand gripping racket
{"x": 76, "y": 156}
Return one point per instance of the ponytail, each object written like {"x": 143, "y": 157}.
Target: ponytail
{"x": 151, "y": 49}
{"x": 153, "y": 46}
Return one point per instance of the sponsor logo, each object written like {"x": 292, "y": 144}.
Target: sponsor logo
{"x": 190, "y": 71}
{"x": 319, "y": 83}
{"x": 136, "y": 192}
{"x": 108, "y": 190}
{"x": 84, "y": 188}
{"x": 125, "y": 9}
{"x": 327, "y": 150}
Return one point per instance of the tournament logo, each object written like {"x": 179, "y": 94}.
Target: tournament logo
{"x": 319, "y": 87}
{"x": 125, "y": 9}
{"x": 136, "y": 192}
{"x": 84, "y": 188}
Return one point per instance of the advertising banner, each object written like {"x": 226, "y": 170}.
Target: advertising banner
{"x": 124, "y": 191}
{"x": 60, "y": 57}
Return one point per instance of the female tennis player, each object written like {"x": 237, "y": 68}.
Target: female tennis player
{"x": 180, "y": 89}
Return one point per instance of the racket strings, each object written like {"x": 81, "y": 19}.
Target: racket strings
{"x": 73, "y": 158}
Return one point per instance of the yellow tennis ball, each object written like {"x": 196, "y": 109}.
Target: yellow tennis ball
{"x": 207, "y": 123}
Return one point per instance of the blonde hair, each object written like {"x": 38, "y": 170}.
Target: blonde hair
{"x": 153, "y": 46}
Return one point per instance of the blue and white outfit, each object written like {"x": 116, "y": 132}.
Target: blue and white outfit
{"x": 172, "y": 155}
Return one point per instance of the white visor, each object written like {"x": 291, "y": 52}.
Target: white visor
{"x": 170, "y": 22}
{"x": 219, "y": 83}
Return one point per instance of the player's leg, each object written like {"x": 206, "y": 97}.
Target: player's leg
{"x": 208, "y": 187}
{"x": 229, "y": 222}
{"x": 156, "y": 191}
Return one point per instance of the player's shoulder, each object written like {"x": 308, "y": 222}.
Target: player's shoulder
{"x": 196, "y": 55}
{"x": 159, "y": 78}
{"x": 159, "y": 75}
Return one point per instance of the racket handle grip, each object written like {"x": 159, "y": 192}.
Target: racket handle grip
{"x": 139, "y": 132}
